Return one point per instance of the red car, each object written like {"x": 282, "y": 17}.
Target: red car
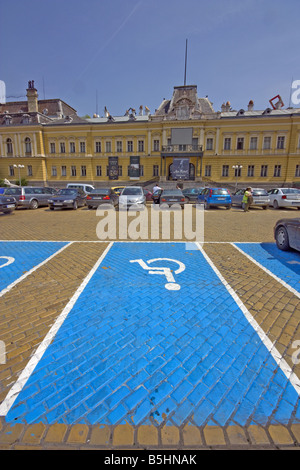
{"x": 148, "y": 195}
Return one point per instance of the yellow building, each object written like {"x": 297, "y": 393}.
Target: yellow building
{"x": 184, "y": 139}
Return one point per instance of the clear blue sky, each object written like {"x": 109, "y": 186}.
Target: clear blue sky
{"x": 132, "y": 52}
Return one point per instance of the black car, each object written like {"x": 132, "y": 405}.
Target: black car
{"x": 169, "y": 197}
{"x": 7, "y": 204}
{"x": 191, "y": 194}
{"x": 287, "y": 234}
{"x": 101, "y": 196}
{"x": 68, "y": 198}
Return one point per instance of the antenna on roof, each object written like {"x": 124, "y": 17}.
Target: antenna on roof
{"x": 97, "y": 102}
{"x": 185, "y": 62}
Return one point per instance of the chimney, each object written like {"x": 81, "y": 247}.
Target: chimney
{"x": 32, "y": 98}
{"x": 250, "y": 105}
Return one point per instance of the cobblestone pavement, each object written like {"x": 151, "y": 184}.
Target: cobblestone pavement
{"x": 148, "y": 345}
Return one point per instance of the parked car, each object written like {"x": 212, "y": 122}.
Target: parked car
{"x": 191, "y": 194}
{"x": 260, "y": 198}
{"x": 284, "y": 197}
{"x": 68, "y": 198}
{"x": 86, "y": 188}
{"x": 117, "y": 189}
{"x": 287, "y": 234}
{"x": 132, "y": 195}
{"x": 156, "y": 196}
{"x": 31, "y": 197}
{"x": 215, "y": 197}
{"x": 148, "y": 195}
{"x": 170, "y": 197}
{"x": 101, "y": 196}
{"x": 7, "y": 204}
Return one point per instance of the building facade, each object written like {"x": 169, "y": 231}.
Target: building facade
{"x": 184, "y": 139}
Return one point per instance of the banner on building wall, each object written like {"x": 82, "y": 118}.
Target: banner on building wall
{"x": 134, "y": 167}
{"x": 180, "y": 169}
{"x": 113, "y": 168}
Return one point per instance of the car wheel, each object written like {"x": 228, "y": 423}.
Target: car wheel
{"x": 75, "y": 205}
{"x": 51, "y": 208}
{"x": 7, "y": 212}
{"x": 34, "y": 204}
{"x": 228, "y": 207}
{"x": 275, "y": 204}
{"x": 282, "y": 238}
{"x": 265, "y": 207}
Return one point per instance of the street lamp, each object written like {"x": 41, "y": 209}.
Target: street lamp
{"x": 237, "y": 169}
{"x": 19, "y": 168}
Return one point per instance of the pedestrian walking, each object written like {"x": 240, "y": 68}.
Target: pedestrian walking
{"x": 247, "y": 199}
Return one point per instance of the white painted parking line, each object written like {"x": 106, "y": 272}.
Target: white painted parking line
{"x": 280, "y": 361}
{"x": 26, "y": 373}
{"x": 21, "y": 278}
{"x": 281, "y": 281}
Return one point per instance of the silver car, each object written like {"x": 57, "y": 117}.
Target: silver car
{"x": 31, "y": 197}
{"x": 260, "y": 198}
{"x": 132, "y": 196}
{"x": 287, "y": 234}
{"x": 284, "y": 197}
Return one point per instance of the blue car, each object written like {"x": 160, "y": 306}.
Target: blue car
{"x": 215, "y": 197}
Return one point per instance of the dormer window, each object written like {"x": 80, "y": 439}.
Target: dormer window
{"x": 26, "y": 119}
{"x": 7, "y": 120}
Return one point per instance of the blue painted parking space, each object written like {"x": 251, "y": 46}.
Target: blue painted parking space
{"x": 155, "y": 336}
{"x": 17, "y": 258}
{"x": 284, "y": 264}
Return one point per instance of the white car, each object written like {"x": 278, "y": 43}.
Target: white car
{"x": 284, "y": 197}
{"x": 132, "y": 196}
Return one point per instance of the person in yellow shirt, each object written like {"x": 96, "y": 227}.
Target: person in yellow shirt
{"x": 247, "y": 199}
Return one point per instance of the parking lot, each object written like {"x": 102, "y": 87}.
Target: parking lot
{"x": 125, "y": 344}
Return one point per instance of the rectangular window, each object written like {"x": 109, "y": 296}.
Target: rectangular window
{"x": 54, "y": 171}
{"x": 156, "y": 145}
{"x": 29, "y": 170}
{"x": 207, "y": 170}
{"x": 52, "y": 147}
{"x": 140, "y": 145}
{"x": 297, "y": 172}
{"x": 264, "y": 171}
{"x": 98, "y": 147}
{"x": 119, "y": 146}
{"x": 107, "y": 170}
{"x": 108, "y": 147}
{"x": 120, "y": 170}
{"x": 209, "y": 143}
{"x": 240, "y": 143}
{"x": 237, "y": 172}
{"x": 73, "y": 170}
{"x": 267, "y": 143}
{"x": 72, "y": 147}
{"x": 195, "y": 143}
{"x": 11, "y": 170}
{"x": 253, "y": 143}
{"x": 227, "y": 143}
{"x": 155, "y": 170}
{"x": 63, "y": 170}
{"x": 82, "y": 147}
{"x": 141, "y": 170}
{"x": 250, "y": 173}
{"x": 280, "y": 142}
{"x": 225, "y": 171}
{"x": 277, "y": 171}
{"x": 130, "y": 146}
{"x": 98, "y": 170}
{"x": 83, "y": 170}
{"x": 62, "y": 147}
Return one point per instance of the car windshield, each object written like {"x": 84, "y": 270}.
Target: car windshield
{"x": 100, "y": 191}
{"x": 259, "y": 192}
{"x": 174, "y": 192}
{"x": 132, "y": 192}
{"x": 67, "y": 191}
{"x": 13, "y": 191}
{"x": 218, "y": 192}
{"x": 291, "y": 191}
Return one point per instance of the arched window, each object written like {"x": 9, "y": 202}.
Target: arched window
{"x": 27, "y": 146}
{"x": 9, "y": 147}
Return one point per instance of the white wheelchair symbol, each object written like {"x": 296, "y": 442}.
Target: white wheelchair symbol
{"x": 9, "y": 261}
{"x": 171, "y": 284}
